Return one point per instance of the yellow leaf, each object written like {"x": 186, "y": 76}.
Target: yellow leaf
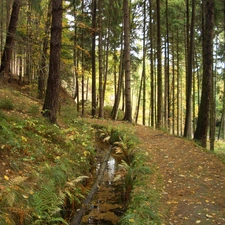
{"x": 25, "y": 196}
{"x": 6, "y": 177}
{"x": 208, "y": 216}
{"x": 86, "y": 153}
{"x": 24, "y": 139}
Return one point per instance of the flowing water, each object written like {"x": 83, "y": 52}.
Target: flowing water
{"x": 107, "y": 205}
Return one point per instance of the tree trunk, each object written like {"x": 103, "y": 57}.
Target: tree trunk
{"x": 51, "y": 102}
{"x": 213, "y": 107}
{"x": 203, "y": 115}
{"x": 128, "y": 108}
{"x": 82, "y": 63}
{"x": 152, "y": 80}
{"x": 7, "y": 52}
{"x": 144, "y": 67}
{"x": 119, "y": 86}
{"x": 101, "y": 96}
{"x": 93, "y": 112}
{"x": 178, "y": 86}
{"x": 43, "y": 70}
{"x": 159, "y": 68}
{"x": 187, "y": 128}
{"x": 167, "y": 75}
{"x": 139, "y": 99}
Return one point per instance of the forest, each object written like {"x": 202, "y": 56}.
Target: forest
{"x": 95, "y": 96}
{"x": 160, "y": 62}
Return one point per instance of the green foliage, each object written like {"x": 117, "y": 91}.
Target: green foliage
{"x": 8, "y": 137}
{"x": 47, "y": 204}
{"x": 220, "y": 150}
{"x": 136, "y": 174}
{"x": 142, "y": 207}
{"x": 6, "y": 104}
{"x": 50, "y": 160}
{"x": 108, "y": 110}
{"x": 2, "y": 115}
{"x": 34, "y": 110}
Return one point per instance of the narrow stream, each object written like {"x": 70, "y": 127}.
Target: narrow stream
{"x": 107, "y": 205}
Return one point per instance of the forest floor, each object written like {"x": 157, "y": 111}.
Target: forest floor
{"x": 192, "y": 180}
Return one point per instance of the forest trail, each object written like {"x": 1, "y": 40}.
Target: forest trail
{"x": 191, "y": 181}
{"x": 193, "y": 189}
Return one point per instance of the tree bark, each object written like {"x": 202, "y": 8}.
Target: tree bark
{"x": 43, "y": 70}
{"x": 203, "y": 115}
{"x": 100, "y": 51}
{"x": 115, "y": 109}
{"x": 187, "y": 128}
{"x": 93, "y": 59}
{"x": 144, "y": 67}
{"x": 128, "y": 108}
{"x": 159, "y": 67}
{"x": 51, "y": 102}
{"x": 7, "y": 52}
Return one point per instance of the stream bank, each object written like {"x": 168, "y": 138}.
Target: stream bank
{"x": 105, "y": 203}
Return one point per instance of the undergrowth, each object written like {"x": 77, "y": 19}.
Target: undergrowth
{"x": 134, "y": 169}
{"x": 41, "y": 163}
{"x": 44, "y": 165}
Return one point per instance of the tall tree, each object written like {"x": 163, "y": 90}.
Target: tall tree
{"x": 118, "y": 91}
{"x": 167, "y": 74}
{"x": 93, "y": 58}
{"x": 189, "y": 77}
{"x": 7, "y": 52}
{"x": 43, "y": 67}
{"x": 208, "y": 34}
{"x": 128, "y": 108}
{"x": 144, "y": 66}
{"x": 51, "y": 102}
{"x": 159, "y": 67}
{"x": 100, "y": 51}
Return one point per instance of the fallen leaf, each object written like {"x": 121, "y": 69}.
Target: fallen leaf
{"x": 208, "y": 216}
{"x": 25, "y": 196}
{"x": 6, "y": 177}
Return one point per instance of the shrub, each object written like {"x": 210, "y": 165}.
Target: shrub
{"x": 6, "y": 104}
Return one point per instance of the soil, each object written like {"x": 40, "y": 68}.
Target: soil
{"x": 192, "y": 180}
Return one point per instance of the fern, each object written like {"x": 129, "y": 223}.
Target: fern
{"x": 47, "y": 204}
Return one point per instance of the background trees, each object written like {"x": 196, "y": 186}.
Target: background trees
{"x": 164, "y": 79}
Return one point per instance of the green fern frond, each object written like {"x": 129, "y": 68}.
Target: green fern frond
{"x": 46, "y": 202}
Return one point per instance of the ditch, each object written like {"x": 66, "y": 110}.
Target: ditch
{"x": 107, "y": 205}
{"x": 106, "y": 201}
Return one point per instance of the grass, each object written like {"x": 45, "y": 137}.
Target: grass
{"x": 6, "y": 104}
{"x": 220, "y": 149}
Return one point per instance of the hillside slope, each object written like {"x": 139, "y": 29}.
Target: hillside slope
{"x": 191, "y": 180}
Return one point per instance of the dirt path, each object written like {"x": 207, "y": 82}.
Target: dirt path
{"x": 193, "y": 180}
